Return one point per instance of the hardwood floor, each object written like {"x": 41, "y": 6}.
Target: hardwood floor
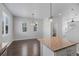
{"x": 29, "y": 47}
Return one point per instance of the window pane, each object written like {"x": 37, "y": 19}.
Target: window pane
{"x": 35, "y": 27}
{"x": 6, "y": 20}
{"x": 6, "y": 29}
{"x": 24, "y": 27}
{"x": 5, "y": 23}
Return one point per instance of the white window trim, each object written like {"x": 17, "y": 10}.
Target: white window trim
{"x": 4, "y": 20}
{"x": 24, "y": 26}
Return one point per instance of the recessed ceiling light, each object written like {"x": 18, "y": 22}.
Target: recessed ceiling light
{"x": 51, "y": 20}
{"x": 60, "y": 14}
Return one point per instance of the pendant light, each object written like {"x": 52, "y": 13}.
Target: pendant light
{"x": 72, "y": 20}
{"x": 72, "y": 14}
{"x": 51, "y": 17}
{"x": 33, "y": 19}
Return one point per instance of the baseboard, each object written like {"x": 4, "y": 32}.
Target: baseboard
{"x": 9, "y": 43}
{"x": 24, "y": 39}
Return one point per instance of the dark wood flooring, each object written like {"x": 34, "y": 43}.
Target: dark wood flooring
{"x": 29, "y": 47}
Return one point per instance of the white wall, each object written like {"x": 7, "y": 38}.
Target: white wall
{"x": 9, "y": 36}
{"x": 19, "y": 35}
{"x": 67, "y": 15}
{"x": 62, "y": 13}
{"x": 47, "y": 28}
{"x": 0, "y": 27}
{"x": 73, "y": 34}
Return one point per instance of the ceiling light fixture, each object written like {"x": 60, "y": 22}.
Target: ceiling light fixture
{"x": 73, "y": 15}
{"x": 33, "y": 19}
{"x": 51, "y": 17}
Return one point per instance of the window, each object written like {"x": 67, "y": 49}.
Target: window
{"x": 6, "y": 29}
{"x": 24, "y": 27}
{"x": 35, "y": 27}
{"x": 4, "y": 24}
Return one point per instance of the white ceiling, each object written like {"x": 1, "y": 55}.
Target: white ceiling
{"x": 26, "y": 9}
{"x": 41, "y": 10}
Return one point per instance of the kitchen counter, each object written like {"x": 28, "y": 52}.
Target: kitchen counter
{"x": 56, "y": 43}
{"x": 3, "y": 46}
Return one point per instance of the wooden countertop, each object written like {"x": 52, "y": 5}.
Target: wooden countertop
{"x": 56, "y": 43}
{"x": 3, "y": 46}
